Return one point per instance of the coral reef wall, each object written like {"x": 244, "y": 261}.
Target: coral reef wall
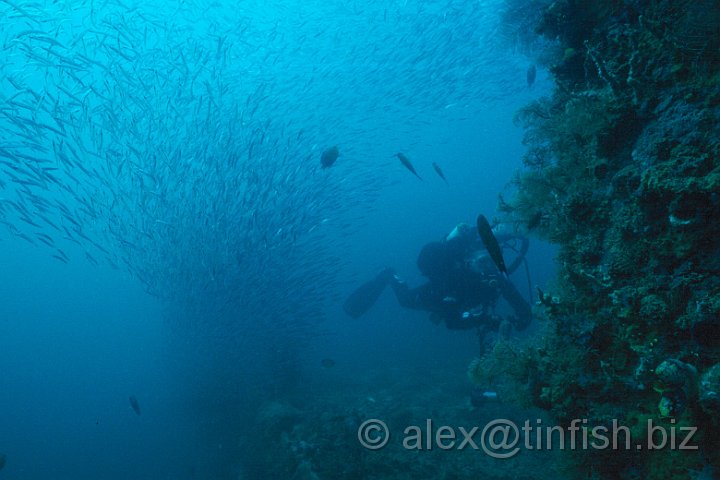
{"x": 623, "y": 173}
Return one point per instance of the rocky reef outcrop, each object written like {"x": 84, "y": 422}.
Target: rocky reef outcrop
{"x": 622, "y": 172}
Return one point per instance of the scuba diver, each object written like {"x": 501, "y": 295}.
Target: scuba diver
{"x": 466, "y": 276}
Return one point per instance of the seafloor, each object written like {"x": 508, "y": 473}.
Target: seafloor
{"x": 315, "y": 434}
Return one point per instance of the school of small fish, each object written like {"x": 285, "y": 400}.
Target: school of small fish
{"x": 181, "y": 141}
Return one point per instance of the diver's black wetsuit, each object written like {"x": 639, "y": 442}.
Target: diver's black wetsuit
{"x": 451, "y": 304}
{"x": 463, "y": 285}
{"x": 462, "y": 295}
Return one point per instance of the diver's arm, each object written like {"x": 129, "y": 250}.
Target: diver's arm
{"x": 522, "y": 309}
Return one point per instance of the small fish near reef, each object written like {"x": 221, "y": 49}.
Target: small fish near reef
{"x": 329, "y": 156}
{"x": 491, "y": 244}
{"x": 439, "y": 171}
{"x": 327, "y": 362}
{"x": 406, "y": 163}
{"x": 531, "y": 74}
{"x": 134, "y": 404}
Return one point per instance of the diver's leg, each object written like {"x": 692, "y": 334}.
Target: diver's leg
{"x": 413, "y": 298}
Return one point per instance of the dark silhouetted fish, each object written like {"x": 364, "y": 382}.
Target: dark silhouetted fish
{"x": 531, "y": 74}
{"x": 329, "y": 156}
{"x": 406, "y": 162}
{"x": 491, "y": 244}
{"x": 134, "y": 404}
{"x": 439, "y": 171}
{"x": 3, "y": 459}
{"x": 327, "y": 362}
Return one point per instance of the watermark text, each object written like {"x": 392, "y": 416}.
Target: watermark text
{"x": 503, "y": 438}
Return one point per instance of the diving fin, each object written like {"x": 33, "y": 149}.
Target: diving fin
{"x": 491, "y": 244}
{"x": 365, "y": 296}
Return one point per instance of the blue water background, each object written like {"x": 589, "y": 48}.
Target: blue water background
{"x": 77, "y": 339}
